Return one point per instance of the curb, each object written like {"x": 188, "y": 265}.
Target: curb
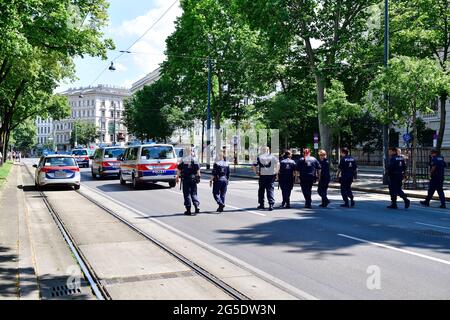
{"x": 359, "y": 189}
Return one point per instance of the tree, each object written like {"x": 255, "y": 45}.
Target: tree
{"x": 422, "y": 29}
{"x": 411, "y": 85}
{"x": 83, "y": 133}
{"x": 24, "y": 136}
{"x": 40, "y": 39}
{"x": 336, "y": 110}
{"x": 150, "y": 113}
{"x": 323, "y": 33}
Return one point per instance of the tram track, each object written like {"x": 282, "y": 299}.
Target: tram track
{"x": 95, "y": 282}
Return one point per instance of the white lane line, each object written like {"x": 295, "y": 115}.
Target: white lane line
{"x": 432, "y": 225}
{"x": 232, "y": 207}
{"x": 412, "y": 253}
{"x": 264, "y": 275}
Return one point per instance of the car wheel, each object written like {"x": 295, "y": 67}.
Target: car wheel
{"x": 77, "y": 187}
{"x": 135, "y": 183}
{"x": 172, "y": 184}
{"x": 122, "y": 181}
{"x": 94, "y": 175}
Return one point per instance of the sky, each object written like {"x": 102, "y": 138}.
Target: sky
{"x": 129, "y": 19}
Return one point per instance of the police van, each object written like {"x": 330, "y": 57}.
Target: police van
{"x": 148, "y": 164}
{"x": 105, "y": 162}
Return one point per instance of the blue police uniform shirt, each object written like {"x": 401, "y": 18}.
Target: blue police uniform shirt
{"x": 221, "y": 169}
{"x": 348, "y": 167}
{"x": 325, "y": 169}
{"x": 189, "y": 167}
{"x": 397, "y": 165}
{"x": 287, "y": 168}
{"x": 308, "y": 167}
{"x": 440, "y": 165}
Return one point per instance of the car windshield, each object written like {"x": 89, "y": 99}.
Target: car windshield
{"x": 80, "y": 152}
{"x": 60, "y": 162}
{"x": 158, "y": 153}
{"x": 114, "y": 153}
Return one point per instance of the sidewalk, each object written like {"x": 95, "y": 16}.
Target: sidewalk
{"x": 366, "y": 183}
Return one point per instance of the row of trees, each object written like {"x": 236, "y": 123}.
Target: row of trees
{"x": 39, "y": 40}
{"x": 325, "y": 56}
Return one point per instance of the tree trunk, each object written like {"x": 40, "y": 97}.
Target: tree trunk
{"x": 203, "y": 141}
{"x": 324, "y": 130}
{"x": 442, "y": 123}
{"x": 414, "y": 151}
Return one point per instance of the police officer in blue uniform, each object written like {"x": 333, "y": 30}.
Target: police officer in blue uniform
{"x": 309, "y": 170}
{"x": 325, "y": 178}
{"x": 189, "y": 172}
{"x": 220, "y": 179}
{"x": 286, "y": 178}
{"x": 437, "y": 166}
{"x": 397, "y": 172}
{"x": 266, "y": 167}
{"x": 347, "y": 172}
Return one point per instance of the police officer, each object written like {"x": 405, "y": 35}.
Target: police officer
{"x": 220, "y": 179}
{"x": 189, "y": 172}
{"x": 286, "y": 178}
{"x": 437, "y": 166}
{"x": 266, "y": 167}
{"x": 325, "y": 178}
{"x": 396, "y": 173}
{"x": 309, "y": 170}
{"x": 347, "y": 172}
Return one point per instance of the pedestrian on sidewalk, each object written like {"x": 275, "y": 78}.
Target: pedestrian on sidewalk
{"x": 437, "y": 177}
{"x": 220, "y": 179}
{"x": 346, "y": 174}
{"x": 189, "y": 172}
{"x": 286, "y": 178}
{"x": 397, "y": 173}
{"x": 325, "y": 178}
{"x": 266, "y": 167}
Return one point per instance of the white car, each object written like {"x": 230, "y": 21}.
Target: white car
{"x": 105, "y": 161}
{"x": 149, "y": 164}
{"x": 57, "y": 170}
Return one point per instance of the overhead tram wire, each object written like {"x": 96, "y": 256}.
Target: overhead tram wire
{"x": 122, "y": 52}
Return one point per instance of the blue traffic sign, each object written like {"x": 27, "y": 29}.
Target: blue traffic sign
{"x": 407, "y": 137}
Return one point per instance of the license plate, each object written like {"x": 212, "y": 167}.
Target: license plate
{"x": 160, "y": 172}
{"x": 60, "y": 174}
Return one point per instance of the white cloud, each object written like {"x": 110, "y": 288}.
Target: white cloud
{"x": 148, "y": 52}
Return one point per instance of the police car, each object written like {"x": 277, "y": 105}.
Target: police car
{"x": 106, "y": 161}
{"x": 149, "y": 164}
{"x": 57, "y": 170}
{"x": 82, "y": 157}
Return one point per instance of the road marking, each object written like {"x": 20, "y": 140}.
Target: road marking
{"x": 432, "y": 225}
{"x": 232, "y": 207}
{"x": 397, "y": 249}
{"x": 265, "y": 276}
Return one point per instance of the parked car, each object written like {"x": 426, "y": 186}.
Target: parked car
{"x": 149, "y": 164}
{"x": 57, "y": 170}
{"x": 82, "y": 157}
{"x": 105, "y": 161}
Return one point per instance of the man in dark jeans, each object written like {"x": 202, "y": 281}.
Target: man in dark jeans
{"x": 437, "y": 165}
{"x": 346, "y": 174}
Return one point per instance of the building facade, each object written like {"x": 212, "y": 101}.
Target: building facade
{"x": 102, "y": 106}
{"x": 145, "y": 81}
{"x": 44, "y": 134}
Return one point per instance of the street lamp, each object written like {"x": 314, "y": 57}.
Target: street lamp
{"x": 386, "y": 65}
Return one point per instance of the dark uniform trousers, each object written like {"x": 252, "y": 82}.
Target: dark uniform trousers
{"x": 395, "y": 187}
{"x": 267, "y": 184}
{"x": 286, "y": 186}
{"x": 220, "y": 190}
{"x": 322, "y": 189}
{"x": 190, "y": 192}
{"x": 346, "y": 188}
{"x": 307, "y": 183}
{"x": 436, "y": 184}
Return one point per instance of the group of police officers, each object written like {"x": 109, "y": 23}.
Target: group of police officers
{"x": 307, "y": 171}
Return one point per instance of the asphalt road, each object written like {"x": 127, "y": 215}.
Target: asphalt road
{"x": 367, "y": 252}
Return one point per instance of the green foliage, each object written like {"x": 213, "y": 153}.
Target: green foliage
{"x": 24, "y": 136}
{"x": 83, "y": 133}
{"x": 151, "y": 112}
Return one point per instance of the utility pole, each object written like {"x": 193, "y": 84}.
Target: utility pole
{"x": 114, "y": 117}
{"x": 386, "y": 65}
{"x": 208, "y": 121}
